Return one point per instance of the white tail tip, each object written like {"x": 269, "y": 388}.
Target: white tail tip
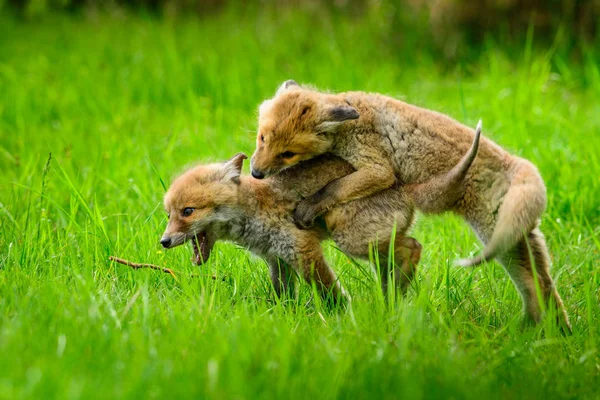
{"x": 470, "y": 262}
{"x": 463, "y": 263}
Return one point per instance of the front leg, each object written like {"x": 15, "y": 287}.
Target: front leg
{"x": 282, "y": 277}
{"x": 311, "y": 265}
{"x": 359, "y": 184}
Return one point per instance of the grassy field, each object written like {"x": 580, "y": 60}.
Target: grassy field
{"x": 124, "y": 103}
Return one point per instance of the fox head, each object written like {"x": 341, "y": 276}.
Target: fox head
{"x": 196, "y": 203}
{"x": 296, "y": 125}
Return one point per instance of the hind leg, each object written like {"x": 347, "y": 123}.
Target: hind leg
{"x": 402, "y": 265}
{"x": 520, "y": 262}
{"x": 503, "y": 212}
{"x": 369, "y": 224}
{"x": 406, "y": 256}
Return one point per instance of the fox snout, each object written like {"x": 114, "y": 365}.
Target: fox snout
{"x": 257, "y": 171}
{"x": 172, "y": 240}
{"x": 257, "y": 174}
{"x": 165, "y": 242}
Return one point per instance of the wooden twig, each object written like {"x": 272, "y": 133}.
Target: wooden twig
{"x": 137, "y": 266}
{"x": 152, "y": 266}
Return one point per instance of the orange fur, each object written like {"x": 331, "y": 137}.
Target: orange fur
{"x": 259, "y": 215}
{"x": 391, "y": 142}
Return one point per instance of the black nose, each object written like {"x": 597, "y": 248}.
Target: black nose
{"x": 166, "y": 242}
{"x": 258, "y": 175}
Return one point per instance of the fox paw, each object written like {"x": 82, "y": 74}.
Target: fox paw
{"x": 305, "y": 214}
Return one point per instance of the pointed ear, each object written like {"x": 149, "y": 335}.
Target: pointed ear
{"x": 335, "y": 116}
{"x": 233, "y": 167}
{"x": 342, "y": 113}
{"x": 290, "y": 83}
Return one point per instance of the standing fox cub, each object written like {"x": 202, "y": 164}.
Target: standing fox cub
{"x": 215, "y": 202}
{"x": 390, "y": 142}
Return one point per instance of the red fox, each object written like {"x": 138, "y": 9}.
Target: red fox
{"x": 215, "y": 202}
{"x": 391, "y": 142}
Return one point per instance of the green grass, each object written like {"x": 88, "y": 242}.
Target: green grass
{"x": 124, "y": 103}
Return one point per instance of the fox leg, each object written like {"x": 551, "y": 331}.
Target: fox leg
{"x": 364, "y": 225}
{"x": 406, "y": 256}
{"x": 282, "y": 277}
{"x": 311, "y": 265}
{"x": 519, "y": 262}
{"x": 519, "y": 212}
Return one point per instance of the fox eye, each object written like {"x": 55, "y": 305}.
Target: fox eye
{"x": 262, "y": 138}
{"x": 187, "y": 211}
{"x": 287, "y": 155}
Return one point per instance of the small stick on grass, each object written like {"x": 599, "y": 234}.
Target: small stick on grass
{"x": 137, "y": 266}
{"x": 152, "y": 266}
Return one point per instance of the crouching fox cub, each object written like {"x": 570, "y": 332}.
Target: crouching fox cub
{"x": 215, "y": 202}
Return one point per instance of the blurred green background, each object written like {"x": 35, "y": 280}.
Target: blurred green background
{"x": 453, "y": 26}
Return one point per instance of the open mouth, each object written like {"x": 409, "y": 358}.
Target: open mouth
{"x": 201, "y": 247}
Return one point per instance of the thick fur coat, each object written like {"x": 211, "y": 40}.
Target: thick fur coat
{"x": 389, "y": 142}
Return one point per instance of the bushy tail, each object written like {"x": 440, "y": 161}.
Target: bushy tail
{"x": 518, "y": 215}
{"x": 443, "y": 191}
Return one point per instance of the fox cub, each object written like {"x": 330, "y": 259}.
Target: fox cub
{"x": 389, "y": 142}
{"x": 215, "y": 202}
